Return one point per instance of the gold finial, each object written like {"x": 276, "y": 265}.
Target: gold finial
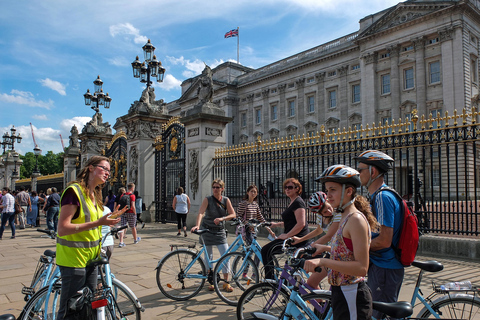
{"x": 455, "y": 117}
{"x": 464, "y": 115}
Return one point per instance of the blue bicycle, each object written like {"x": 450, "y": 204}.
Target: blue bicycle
{"x": 182, "y": 273}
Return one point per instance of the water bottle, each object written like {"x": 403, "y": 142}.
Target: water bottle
{"x": 463, "y": 285}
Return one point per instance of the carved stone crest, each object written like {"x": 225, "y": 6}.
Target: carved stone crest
{"x": 193, "y": 172}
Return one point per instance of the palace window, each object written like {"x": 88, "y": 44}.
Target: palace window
{"x": 385, "y": 122}
{"x": 356, "y": 93}
{"x": 434, "y": 72}
{"x": 291, "y": 108}
{"x": 258, "y": 116}
{"x": 386, "y": 83}
{"x": 332, "y": 73}
{"x": 474, "y": 69}
{"x": 385, "y": 55}
{"x": 311, "y": 80}
{"x": 434, "y": 40}
{"x": 355, "y": 67}
{"x": 311, "y": 104}
{"x": 243, "y": 119}
{"x": 274, "y": 112}
{"x": 408, "y": 48}
{"x": 409, "y": 81}
{"x": 332, "y": 98}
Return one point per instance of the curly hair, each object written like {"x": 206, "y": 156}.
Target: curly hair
{"x": 295, "y": 182}
{"x": 363, "y": 205}
{"x": 83, "y": 176}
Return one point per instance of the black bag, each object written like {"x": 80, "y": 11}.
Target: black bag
{"x": 79, "y": 307}
{"x": 124, "y": 201}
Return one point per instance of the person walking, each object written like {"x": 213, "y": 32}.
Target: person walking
{"x": 213, "y": 212}
{"x": 348, "y": 263}
{"x": 23, "y": 200}
{"x": 33, "y": 210}
{"x": 138, "y": 208}
{"x": 181, "y": 205}
{"x": 81, "y": 217}
{"x": 294, "y": 222}
{"x": 385, "y": 275}
{"x": 8, "y": 212}
{"x": 52, "y": 208}
{"x": 130, "y": 216}
{"x": 110, "y": 201}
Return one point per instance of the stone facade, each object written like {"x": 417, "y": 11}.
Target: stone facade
{"x": 416, "y": 55}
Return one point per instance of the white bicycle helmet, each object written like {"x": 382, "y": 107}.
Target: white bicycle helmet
{"x": 344, "y": 175}
{"x": 376, "y": 158}
{"x": 316, "y": 202}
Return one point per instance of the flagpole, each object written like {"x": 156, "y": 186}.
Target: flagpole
{"x": 238, "y": 43}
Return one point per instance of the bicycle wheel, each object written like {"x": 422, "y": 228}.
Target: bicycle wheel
{"x": 172, "y": 280}
{"x": 42, "y": 305}
{"x": 460, "y": 306}
{"x": 37, "y": 282}
{"x": 255, "y": 299}
{"x": 125, "y": 301}
{"x": 242, "y": 273}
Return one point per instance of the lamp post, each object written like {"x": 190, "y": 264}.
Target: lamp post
{"x": 36, "y": 151}
{"x": 98, "y": 98}
{"x": 15, "y": 160}
{"x": 151, "y": 67}
{"x": 9, "y": 140}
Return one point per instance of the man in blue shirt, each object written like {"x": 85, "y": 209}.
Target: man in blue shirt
{"x": 385, "y": 274}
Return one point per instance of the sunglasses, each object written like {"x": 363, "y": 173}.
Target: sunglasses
{"x": 290, "y": 187}
{"x": 216, "y": 187}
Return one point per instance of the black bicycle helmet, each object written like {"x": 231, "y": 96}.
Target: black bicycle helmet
{"x": 341, "y": 174}
{"x": 316, "y": 202}
{"x": 376, "y": 158}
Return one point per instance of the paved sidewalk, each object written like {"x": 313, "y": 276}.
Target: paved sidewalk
{"x": 135, "y": 265}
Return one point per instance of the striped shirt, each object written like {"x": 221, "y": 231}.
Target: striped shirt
{"x": 249, "y": 210}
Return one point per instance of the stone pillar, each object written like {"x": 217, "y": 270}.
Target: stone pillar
{"x": 205, "y": 132}
{"x": 320, "y": 108}
{"x": 33, "y": 185}
{"x": 395, "y": 83}
{"x": 10, "y": 167}
{"x": 300, "y": 112}
{"x": 421, "y": 76}
{"x": 369, "y": 85}
{"x": 71, "y": 157}
{"x": 142, "y": 125}
{"x": 343, "y": 96}
{"x": 94, "y": 137}
{"x": 266, "y": 121}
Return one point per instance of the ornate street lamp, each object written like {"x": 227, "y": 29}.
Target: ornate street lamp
{"x": 9, "y": 140}
{"x": 36, "y": 151}
{"x": 15, "y": 160}
{"x": 98, "y": 98}
{"x": 151, "y": 67}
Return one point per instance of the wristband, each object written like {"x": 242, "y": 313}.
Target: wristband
{"x": 77, "y": 227}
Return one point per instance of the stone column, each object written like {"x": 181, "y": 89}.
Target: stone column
{"x": 343, "y": 96}
{"x": 421, "y": 76}
{"x": 266, "y": 111}
{"x": 320, "y": 108}
{"x": 142, "y": 125}
{"x": 282, "y": 112}
{"x": 71, "y": 156}
{"x": 205, "y": 132}
{"x": 10, "y": 167}
{"x": 300, "y": 112}
{"x": 94, "y": 137}
{"x": 33, "y": 185}
{"x": 395, "y": 83}
{"x": 369, "y": 107}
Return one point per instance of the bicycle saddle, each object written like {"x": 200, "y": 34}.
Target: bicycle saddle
{"x": 198, "y": 231}
{"x": 48, "y": 253}
{"x": 400, "y": 309}
{"x": 97, "y": 262}
{"x": 430, "y": 266}
{"x": 7, "y": 317}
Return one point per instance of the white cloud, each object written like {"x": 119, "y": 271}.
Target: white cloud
{"x": 127, "y": 30}
{"x": 67, "y": 124}
{"x": 40, "y": 117}
{"x": 54, "y": 85}
{"x": 119, "y": 61}
{"x": 26, "y": 98}
{"x": 170, "y": 83}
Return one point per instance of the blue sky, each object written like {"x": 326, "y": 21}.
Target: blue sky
{"x": 51, "y": 51}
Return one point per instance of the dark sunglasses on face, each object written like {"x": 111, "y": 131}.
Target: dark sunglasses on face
{"x": 290, "y": 187}
{"x": 216, "y": 187}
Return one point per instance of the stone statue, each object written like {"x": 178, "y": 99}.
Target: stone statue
{"x": 151, "y": 93}
{"x": 96, "y": 125}
{"x": 74, "y": 137}
{"x": 145, "y": 96}
{"x": 205, "y": 88}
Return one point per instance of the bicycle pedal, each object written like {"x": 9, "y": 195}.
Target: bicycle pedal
{"x": 28, "y": 291}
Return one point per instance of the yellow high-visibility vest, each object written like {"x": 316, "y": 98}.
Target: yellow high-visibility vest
{"x": 76, "y": 250}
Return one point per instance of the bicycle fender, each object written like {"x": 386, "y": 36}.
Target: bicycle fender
{"x": 259, "y": 315}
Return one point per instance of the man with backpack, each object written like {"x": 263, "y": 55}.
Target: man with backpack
{"x": 130, "y": 216}
{"x": 385, "y": 274}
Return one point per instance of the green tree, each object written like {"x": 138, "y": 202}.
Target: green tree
{"x": 49, "y": 163}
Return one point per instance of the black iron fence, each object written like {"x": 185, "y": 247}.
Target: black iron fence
{"x": 436, "y": 167}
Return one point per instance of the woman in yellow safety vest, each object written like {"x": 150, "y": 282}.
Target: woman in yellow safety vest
{"x": 79, "y": 229}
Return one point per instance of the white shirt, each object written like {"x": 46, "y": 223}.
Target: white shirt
{"x": 8, "y": 203}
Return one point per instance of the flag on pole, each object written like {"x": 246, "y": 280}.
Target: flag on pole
{"x": 232, "y": 33}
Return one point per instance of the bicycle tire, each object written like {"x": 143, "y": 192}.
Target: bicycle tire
{"x": 235, "y": 276}
{"x": 325, "y": 301}
{"x": 125, "y": 301}
{"x": 37, "y": 281}
{"x": 256, "y": 297}
{"x": 171, "y": 278}
{"x": 36, "y": 307}
{"x": 461, "y": 306}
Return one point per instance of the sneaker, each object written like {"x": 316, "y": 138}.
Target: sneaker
{"x": 143, "y": 225}
{"x": 246, "y": 277}
{"x": 137, "y": 241}
{"x": 12, "y": 237}
{"x": 121, "y": 245}
{"x": 178, "y": 234}
{"x": 185, "y": 232}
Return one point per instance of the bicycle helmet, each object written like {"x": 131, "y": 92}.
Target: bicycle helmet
{"x": 341, "y": 174}
{"x": 376, "y": 158}
{"x": 316, "y": 202}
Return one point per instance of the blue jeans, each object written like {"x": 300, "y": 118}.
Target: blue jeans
{"x": 52, "y": 218}
{"x": 10, "y": 217}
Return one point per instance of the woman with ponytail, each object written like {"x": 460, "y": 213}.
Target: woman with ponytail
{"x": 348, "y": 263}
{"x": 79, "y": 229}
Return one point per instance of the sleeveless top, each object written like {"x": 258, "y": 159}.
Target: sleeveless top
{"x": 181, "y": 206}
{"x": 341, "y": 252}
{"x": 217, "y": 233}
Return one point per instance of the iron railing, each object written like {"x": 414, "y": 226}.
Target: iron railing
{"x": 435, "y": 167}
